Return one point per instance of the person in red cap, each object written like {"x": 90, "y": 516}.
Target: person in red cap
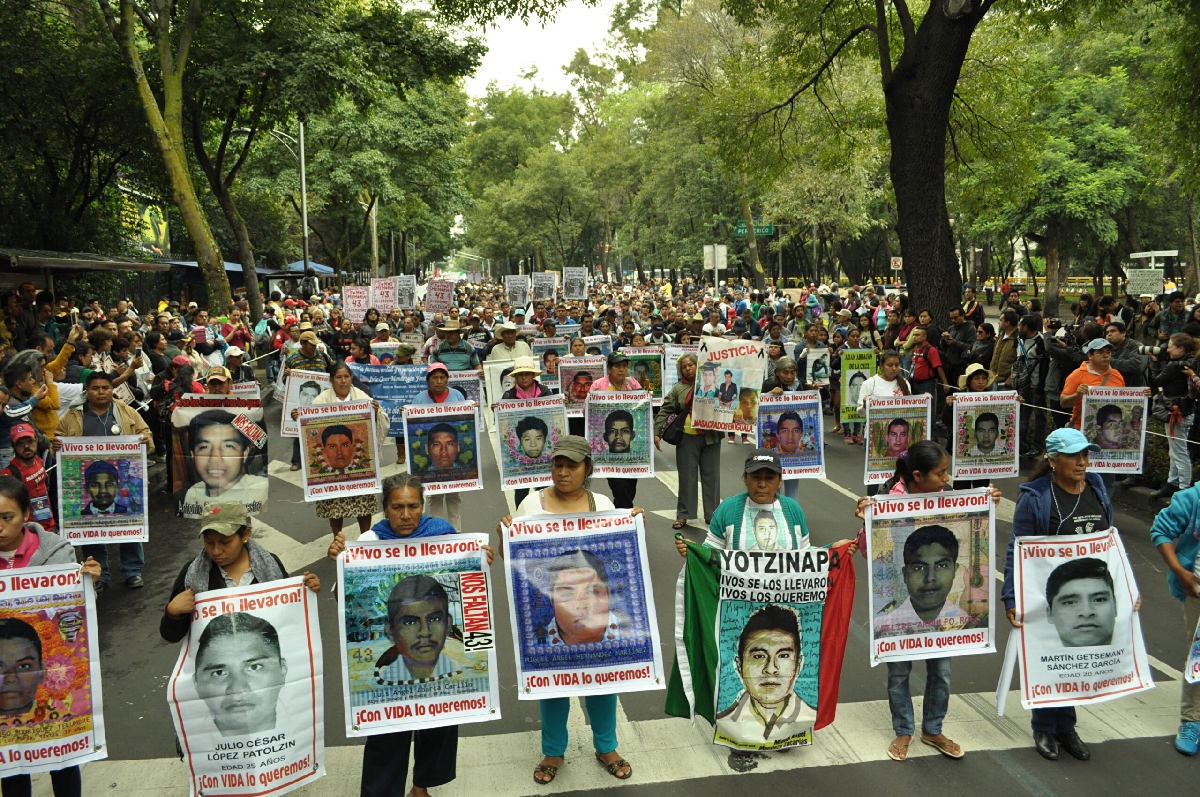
{"x": 29, "y": 468}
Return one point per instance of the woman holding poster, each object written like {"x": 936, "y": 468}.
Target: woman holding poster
{"x": 924, "y": 469}
{"x": 1060, "y": 498}
{"x": 385, "y": 755}
{"x": 26, "y": 544}
{"x": 698, "y": 451}
{"x": 572, "y": 466}
{"x": 361, "y": 507}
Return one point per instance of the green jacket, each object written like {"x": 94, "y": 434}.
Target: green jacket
{"x": 673, "y": 403}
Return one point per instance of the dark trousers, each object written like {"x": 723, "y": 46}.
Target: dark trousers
{"x": 1053, "y": 720}
{"x": 623, "y": 492}
{"x": 295, "y": 450}
{"x": 385, "y": 760}
{"x": 66, "y": 783}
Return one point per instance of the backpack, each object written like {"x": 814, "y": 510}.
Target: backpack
{"x": 1029, "y": 369}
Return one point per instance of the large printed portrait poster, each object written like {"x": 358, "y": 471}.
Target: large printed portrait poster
{"x": 769, "y": 639}
{"x": 544, "y": 285}
{"x": 219, "y": 453}
{"x": 575, "y": 378}
{"x": 50, "y": 708}
{"x": 671, "y": 354}
{"x": 729, "y": 380}
{"x": 1114, "y": 418}
{"x": 893, "y": 424}
{"x": 417, "y": 634}
{"x": 817, "y": 366}
{"x": 1081, "y": 640}
{"x": 620, "y": 431}
{"x": 791, "y": 424}
{"x": 246, "y": 694}
{"x": 598, "y": 345}
{"x": 575, "y": 283}
{"x": 301, "y": 390}
{"x": 443, "y": 446}
{"x": 548, "y": 352}
{"x": 469, "y": 383}
{"x": 526, "y": 431}
{"x": 102, "y": 490}
{"x": 646, "y": 366}
{"x": 985, "y": 430}
{"x": 931, "y": 560}
{"x": 581, "y": 605}
{"x": 406, "y": 291}
{"x": 497, "y": 379}
{"x": 858, "y": 365}
{"x": 339, "y": 450}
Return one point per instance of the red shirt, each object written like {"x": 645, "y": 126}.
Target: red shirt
{"x": 926, "y": 361}
{"x": 34, "y": 477}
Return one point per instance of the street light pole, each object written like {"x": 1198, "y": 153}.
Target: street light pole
{"x": 303, "y": 198}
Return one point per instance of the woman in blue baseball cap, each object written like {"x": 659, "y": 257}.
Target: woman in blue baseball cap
{"x": 1060, "y": 498}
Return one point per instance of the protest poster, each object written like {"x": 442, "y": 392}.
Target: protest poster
{"x": 544, "y": 285}
{"x": 443, "y": 446}
{"x": 815, "y": 366}
{"x": 548, "y": 352}
{"x": 384, "y": 291}
{"x": 393, "y": 386}
{"x": 858, "y": 365}
{"x": 516, "y": 286}
{"x": 932, "y": 556}
{"x": 102, "y": 490}
{"x": 406, "y": 291}
{"x": 671, "y": 354}
{"x": 218, "y": 453}
{"x": 893, "y": 424}
{"x": 416, "y": 340}
{"x": 52, "y": 713}
{"x": 1144, "y": 280}
{"x": 356, "y": 301}
{"x": 575, "y": 283}
{"x": 385, "y": 351}
{"x": 1191, "y": 670}
{"x": 730, "y": 379}
{"x": 568, "y": 331}
{"x": 581, "y": 605}
{"x": 248, "y": 390}
{"x": 246, "y": 694}
{"x": 394, "y": 678}
{"x": 526, "y": 431}
{"x": 497, "y": 379}
{"x": 597, "y": 345}
{"x": 339, "y": 450}
{"x": 439, "y": 296}
{"x": 469, "y": 383}
{"x": 302, "y": 389}
{"x": 646, "y": 366}
{"x": 791, "y": 424}
{"x": 1081, "y": 641}
{"x": 575, "y": 377}
{"x": 985, "y": 435}
{"x": 620, "y": 430}
{"x": 761, "y": 641}
{"x": 1114, "y": 418}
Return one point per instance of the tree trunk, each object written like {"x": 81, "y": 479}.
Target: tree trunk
{"x": 1056, "y": 273}
{"x": 166, "y": 125}
{"x": 918, "y": 95}
{"x": 245, "y": 249}
{"x": 1192, "y": 280}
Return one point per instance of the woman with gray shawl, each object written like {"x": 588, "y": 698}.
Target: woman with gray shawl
{"x": 228, "y": 560}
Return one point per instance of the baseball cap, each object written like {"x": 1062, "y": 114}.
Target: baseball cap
{"x": 616, "y": 358}
{"x": 309, "y": 337}
{"x": 436, "y": 367}
{"x": 573, "y": 447}
{"x": 1096, "y": 345}
{"x": 380, "y": 327}
{"x": 179, "y": 359}
{"x": 763, "y": 459}
{"x": 225, "y": 518}
{"x": 219, "y": 372}
{"x": 21, "y": 430}
{"x": 1068, "y": 441}
{"x": 234, "y": 351}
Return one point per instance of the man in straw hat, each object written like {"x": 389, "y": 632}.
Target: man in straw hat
{"x": 455, "y": 353}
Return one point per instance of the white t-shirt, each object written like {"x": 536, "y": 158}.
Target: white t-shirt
{"x": 878, "y": 386}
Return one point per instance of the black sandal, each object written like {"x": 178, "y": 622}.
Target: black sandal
{"x": 548, "y": 771}
{"x": 678, "y": 524}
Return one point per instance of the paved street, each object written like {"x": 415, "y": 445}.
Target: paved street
{"x": 1130, "y": 737}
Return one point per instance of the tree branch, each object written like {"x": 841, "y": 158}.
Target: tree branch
{"x": 881, "y": 40}
{"x": 906, "y": 22}
{"x": 824, "y": 67}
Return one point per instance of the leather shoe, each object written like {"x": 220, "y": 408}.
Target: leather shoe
{"x": 1046, "y": 745}
{"x": 135, "y": 582}
{"x": 1071, "y": 742}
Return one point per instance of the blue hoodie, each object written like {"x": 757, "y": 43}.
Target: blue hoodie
{"x": 1179, "y": 523}
{"x": 428, "y": 527}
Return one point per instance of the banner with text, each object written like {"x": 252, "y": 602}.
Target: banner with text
{"x": 246, "y": 694}
{"x": 52, "y": 716}
{"x": 339, "y": 450}
{"x": 356, "y": 301}
{"x": 443, "y": 446}
{"x": 730, "y": 379}
{"x": 858, "y": 365}
{"x": 417, "y": 634}
{"x": 384, "y": 291}
{"x": 985, "y": 429}
{"x": 439, "y": 296}
{"x": 1081, "y": 641}
{"x": 102, "y": 490}
{"x": 581, "y": 605}
{"x": 931, "y": 558}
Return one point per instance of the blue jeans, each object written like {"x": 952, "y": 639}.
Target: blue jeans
{"x": 133, "y": 559}
{"x": 1180, "y": 473}
{"x": 602, "y": 715}
{"x": 937, "y": 696}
